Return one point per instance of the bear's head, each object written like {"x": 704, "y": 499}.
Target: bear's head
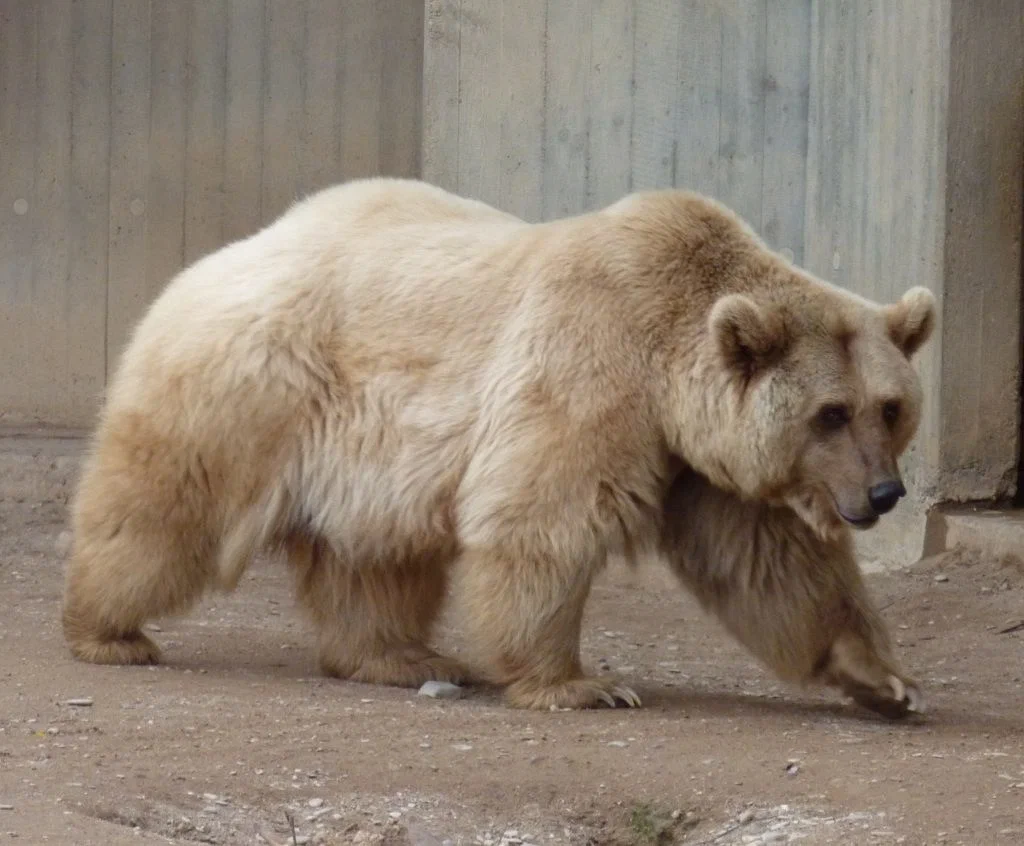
{"x": 822, "y": 387}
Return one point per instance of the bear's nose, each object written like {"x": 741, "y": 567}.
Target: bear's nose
{"x": 884, "y": 496}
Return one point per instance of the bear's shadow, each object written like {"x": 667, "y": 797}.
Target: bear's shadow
{"x": 687, "y": 703}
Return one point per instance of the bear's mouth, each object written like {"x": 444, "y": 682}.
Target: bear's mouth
{"x": 860, "y": 522}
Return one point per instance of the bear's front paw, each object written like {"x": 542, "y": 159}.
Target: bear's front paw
{"x": 895, "y": 698}
{"x": 575, "y": 693}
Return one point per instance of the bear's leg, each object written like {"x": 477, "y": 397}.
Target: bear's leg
{"x": 135, "y": 556}
{"x": 527, "y": 616}
{"x": 375, "y": 621}
{"x": 798, "y": 603}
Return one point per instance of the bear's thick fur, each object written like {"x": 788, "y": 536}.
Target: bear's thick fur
{"x": 794, "y": 599}
{"x": 389, "y": 379}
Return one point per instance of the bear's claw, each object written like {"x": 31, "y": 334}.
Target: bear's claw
{"x": 575, "y": 694}
{"x": 896, "y": 699}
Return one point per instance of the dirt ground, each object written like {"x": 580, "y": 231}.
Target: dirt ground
{"x": 237, "y": 739}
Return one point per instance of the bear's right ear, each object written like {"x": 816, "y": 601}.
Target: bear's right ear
{"x": 748, "y": 336}
{"x": 911, "y": 320}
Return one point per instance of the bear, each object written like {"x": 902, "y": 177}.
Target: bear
{"x": 795, "y": 600}
{"x": 391, "y": 385}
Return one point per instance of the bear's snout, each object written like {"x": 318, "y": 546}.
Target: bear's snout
{"x": 884, "y": 496}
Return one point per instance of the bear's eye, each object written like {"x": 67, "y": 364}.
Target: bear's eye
{"x": 833, "y": 417}
{"x": 891, "y": 412}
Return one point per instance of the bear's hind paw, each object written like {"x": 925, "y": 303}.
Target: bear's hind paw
{"x": 399, "y": 670}
{"x": 132, "y": 648}
{"x": 575, "y": 694}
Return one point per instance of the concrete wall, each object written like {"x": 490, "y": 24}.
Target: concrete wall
{"x": 565, "y": 105}
{"x": 880, "y": 141}
{"x": 137, "y": 135}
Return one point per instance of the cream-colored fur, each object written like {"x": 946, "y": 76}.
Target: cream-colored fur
{"x": 390, "y": 378}
{"x": 795, "y": 600}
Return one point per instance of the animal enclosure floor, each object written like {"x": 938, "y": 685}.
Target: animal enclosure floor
{"x": 237, "y": 732}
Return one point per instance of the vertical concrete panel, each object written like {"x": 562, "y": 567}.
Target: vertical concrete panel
{"x": 566, "y": 99}
{"x": 441, "y": 93}
{"x": 401, "y": 97}
{"x": 321, "y": 105}
{"x": 18, "y": 46}
{"x": 655, "y": 104}
{"x": 362, "y": 64}
{"x": 41, "y": 369}
{"x": 205, "y": 124}
{"x": 283, "y": 49}
{"x": 129, "y": 172}
{"x": 741, "y": 122}
{"x": 165, "y": 214}
{"x": 89, "y": 224}
{"x": 521, "y": 63}
{"x": 699, "y": 91}
{"x": 610, "y": 103}
{"x": 480, "y": 100}
{"x": 786, "y": 88}
{"x": 243, "y": 125}
{"x": 980, "y": 366}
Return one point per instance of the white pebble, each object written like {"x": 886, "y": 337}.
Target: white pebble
{"x": 63, "y": 544}
{"x": 315, "y": 803}
{"x": 942, "y": 577}
{"x": 80, "y": 702}
{"x": 440, "y": 690}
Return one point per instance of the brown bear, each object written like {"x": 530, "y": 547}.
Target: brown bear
{"x": 389, "y": 380}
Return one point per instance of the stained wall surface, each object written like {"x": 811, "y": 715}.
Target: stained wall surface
{"x": 138, "y": 135}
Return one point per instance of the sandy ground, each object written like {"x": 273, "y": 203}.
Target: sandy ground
{"x": 237, "y": 739}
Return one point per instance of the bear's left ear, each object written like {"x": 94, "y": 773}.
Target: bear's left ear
{"x": 910, "y": 321}
{"x": 748, "y": 335}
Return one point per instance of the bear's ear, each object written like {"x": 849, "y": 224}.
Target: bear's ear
{"x": 748, "y": 336}
{"x": 910, "y": 321}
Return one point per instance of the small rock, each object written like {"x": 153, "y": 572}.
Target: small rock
{"x": 746, "y": 816}
{"x": 6, "y": 807}
{"x": 618, "y": 743}
{"x": 315, "y": 803}
{"x": 792, "y": 768}
{"x": 462, "y": 747}
{"x": 440, "y": 690}
{"x": 942, "y": 577}
{"x": 79, "y": 702}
